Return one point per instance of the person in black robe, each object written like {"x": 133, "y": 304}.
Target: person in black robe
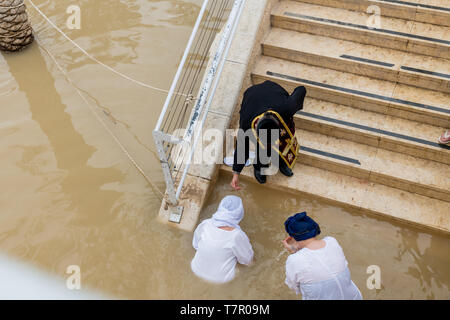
{"x": 258, "y": 100}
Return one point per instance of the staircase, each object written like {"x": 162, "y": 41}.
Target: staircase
{"x": 377, "y": 101}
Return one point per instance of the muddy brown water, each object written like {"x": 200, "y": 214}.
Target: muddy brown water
{"x": 69, "y": 195}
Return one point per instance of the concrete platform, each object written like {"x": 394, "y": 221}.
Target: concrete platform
{"x": 377, "y": 100}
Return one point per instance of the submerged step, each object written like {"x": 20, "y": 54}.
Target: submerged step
{"x": 399, "y": 34}
{"x": 376, "y": 165}
{"x": 412, "y": 103}
{"x": 367, "y": 60}
{"x": 359, "y": 194}
{"x": 431, "y": 11}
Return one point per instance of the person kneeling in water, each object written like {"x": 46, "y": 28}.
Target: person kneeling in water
{"x": 220, "y": 243}
{"x": 316, "y": 268}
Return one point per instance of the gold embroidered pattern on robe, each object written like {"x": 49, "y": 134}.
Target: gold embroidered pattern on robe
{"x": 287, "y": 145}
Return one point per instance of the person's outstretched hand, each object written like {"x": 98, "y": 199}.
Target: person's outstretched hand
{"x": 235, "y": 182}
{"x": 289, "y": 247}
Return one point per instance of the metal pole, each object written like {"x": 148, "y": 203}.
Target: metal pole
{"x": 170, "y": 187}
{"x": 157, "y": 134}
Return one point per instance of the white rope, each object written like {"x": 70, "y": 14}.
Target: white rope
{"x": 93, "y": 58}
{"x": 101, "y": 121}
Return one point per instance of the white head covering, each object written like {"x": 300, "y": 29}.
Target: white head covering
{"x": 229, "y": 213}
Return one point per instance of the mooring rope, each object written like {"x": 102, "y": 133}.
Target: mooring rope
{"x": 13, "y": 7}
{"x": 15, "y": 30}
{"x": 95, "y": 59}
{"x": 125, "y": 151}
{"x": 13, "y": 34}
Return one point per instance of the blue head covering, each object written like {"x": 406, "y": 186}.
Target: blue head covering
{"x": 301, "y": 227}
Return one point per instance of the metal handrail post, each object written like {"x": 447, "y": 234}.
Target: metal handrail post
{"x": 156, "y": 132}
{"x": 170, "y": 187}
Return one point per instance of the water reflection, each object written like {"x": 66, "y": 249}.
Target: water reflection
{"x": 119, "y": 34}
{"x": 413, "y": 262}
{"x": 112, "y": 30}
{"x": 68, "y": 146}
{"x": 427, "y": 268}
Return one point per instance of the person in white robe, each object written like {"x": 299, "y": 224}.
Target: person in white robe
{"x": 316, "y": 268}
{"x": 221, "y": 244}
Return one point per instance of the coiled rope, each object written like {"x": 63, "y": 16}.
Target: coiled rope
{"x": 13, "y": 7}
{"x": 14, "y": 34}
{"x": 15, "y": 30}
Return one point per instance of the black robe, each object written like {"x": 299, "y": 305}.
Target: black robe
{"x": 261, "y": 98}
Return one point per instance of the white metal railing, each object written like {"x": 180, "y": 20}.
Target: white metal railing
{"x": 185, "y": 86}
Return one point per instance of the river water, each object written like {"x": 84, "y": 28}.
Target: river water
{"x": 70, "y": 196}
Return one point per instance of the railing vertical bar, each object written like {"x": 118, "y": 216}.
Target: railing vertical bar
{"x": 207, "y": 46}
{"x": 167, "y": 124}
{"x": 204, "y": 54}
{"x": 181, "y": 66}
{"x": 158, "y": 140}
{"x": 233, "y": 20}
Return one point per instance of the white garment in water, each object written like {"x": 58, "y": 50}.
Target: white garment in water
{"x": 218, "y": 251}
{"x": 321, "y": 274}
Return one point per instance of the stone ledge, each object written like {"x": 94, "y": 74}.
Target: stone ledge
{"x": 192, "y": 198}
{"x": 235, "y": 75}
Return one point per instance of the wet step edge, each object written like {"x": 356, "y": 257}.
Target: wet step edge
{"x": 363, "y": 196}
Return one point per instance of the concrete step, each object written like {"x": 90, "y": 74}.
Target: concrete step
{"x": 359, "y": 194}
{"x": 376, "y": 165}
{"x": 367, "y": 60}
{"x": 385, "y": 97}
{"x": 427, "y": 11}
{"x": 377, "y": 101}
{"x": 393, "y": 33}
{"x": 373, "y": 129}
